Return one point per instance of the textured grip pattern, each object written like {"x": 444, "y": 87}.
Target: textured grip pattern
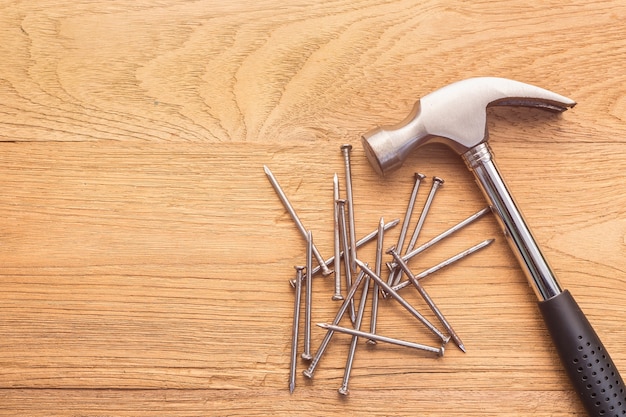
{"x": 588, "y": 364}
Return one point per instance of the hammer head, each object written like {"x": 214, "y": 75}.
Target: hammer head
{"x": 455, "y": 115}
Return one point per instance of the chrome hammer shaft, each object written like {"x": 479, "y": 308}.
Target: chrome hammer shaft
{"x": 541, "y": 277}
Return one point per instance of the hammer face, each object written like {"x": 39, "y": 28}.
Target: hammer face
{"x": 387, "y": 147}
{"x": 455, "y": 115}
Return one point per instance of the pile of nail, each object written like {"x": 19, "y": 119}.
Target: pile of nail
{"x": 345, "y": 248}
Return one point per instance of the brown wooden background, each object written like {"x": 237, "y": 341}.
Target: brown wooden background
{"x": 145, "y": 259}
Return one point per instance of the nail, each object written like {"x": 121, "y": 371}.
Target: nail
{"x": 437, "y": 182}
{"x": 409, "y": 210}
{"x": 403, "y": 302}
{"x": 283, "y": 198}
{"x": 442, "y": 236}
{"x": 346, "y": 149}
{"x": 331, "y": 327}
{"x": 341, "y": 204}
{"x": 337, "y": 240}
{"x": 447, "y": 262}
{"x": 343, "y": 390}
{"x": 407, "y": 219}
{"x": 365, "y": 239}
{"x": 306, "y": 355}
{"x": 294, "y": 330}
{"x": 329, "y": 334}
{"x": 429, "y": 301}
{"x": 377, "y": 269}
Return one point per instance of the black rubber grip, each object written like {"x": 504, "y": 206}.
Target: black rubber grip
{"x": 588, "y": 364}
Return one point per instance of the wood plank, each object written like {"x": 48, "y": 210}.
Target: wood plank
{"x": 315, "y": 401}
{"x": 145, "y": 258}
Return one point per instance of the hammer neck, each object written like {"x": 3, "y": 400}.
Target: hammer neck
{"x": 479, "y": 160}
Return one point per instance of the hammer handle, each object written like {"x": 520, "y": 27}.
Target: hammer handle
{"x": 588, "y": 364}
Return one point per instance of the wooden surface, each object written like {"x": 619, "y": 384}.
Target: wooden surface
{"x": 145, "y": 258}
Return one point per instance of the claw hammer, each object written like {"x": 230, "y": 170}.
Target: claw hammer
{"x": 456, "y": 116}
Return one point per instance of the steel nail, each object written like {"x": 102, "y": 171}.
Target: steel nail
{"x": 441, "y": 236}
{"x": 372, "y": 336}
{"x": 447, "y": 262}
{"x": 346, "y": 149}
{"x": 329, "y": 334}
{"x": 294, "y": 330}
{"x": 437, "y": 182}
{"x": 308, "y": 299}
{"x": 409, "y": 210}
{"x": 343, "y": 390}
{"x": 283, "y": 198}
{"x": 337, "y": 240}
{"x": 377, "y": 269}
{"x": 403, "y": 302}
{"x": 407, "y": 219}
{"x": 429, "y": 301}
{"x": 341, "y": 204}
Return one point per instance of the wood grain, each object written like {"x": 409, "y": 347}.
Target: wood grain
{"x": 145, "y": 258}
